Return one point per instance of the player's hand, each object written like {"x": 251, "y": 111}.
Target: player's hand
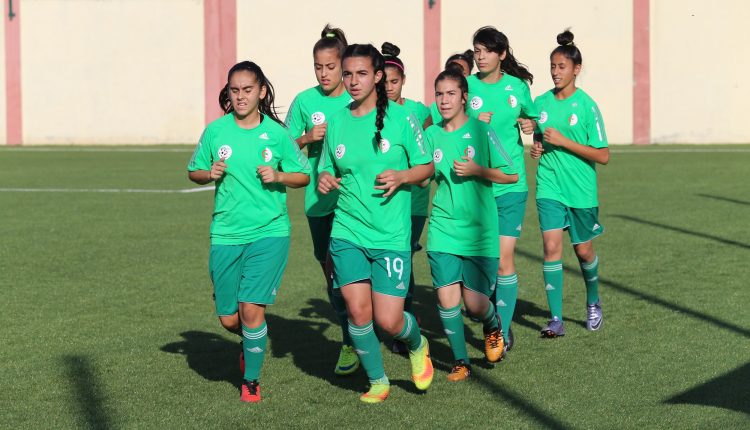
{"x": 390, "y": 180}
{"x": 554, "y": 137}
{"x": 267, "y": 174}
{"x": 468, "y": 167}
{"x": 485, "y": 116}
{"x": 327, "y": 183}
{"x": 318, "y": 132}
{"x": 537, "y": 150}
{"x": 527, "y": 125}
{"x": 217, "y": 169}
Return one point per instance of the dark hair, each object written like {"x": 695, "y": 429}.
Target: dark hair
{"x": 456, "y": 74}
{"x": 378, "y": 64}
{"x": 495, "y": 41}
{"x": 331, "y": 38}
{"x": 467, "y": 56}
{"x": 567, "y": 47}
{"x": 390, "y": 53}
{"x": 266, "y": 106}
{"x": 225, "y": 103}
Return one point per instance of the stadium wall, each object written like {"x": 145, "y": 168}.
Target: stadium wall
{"x": 145, "y": 72}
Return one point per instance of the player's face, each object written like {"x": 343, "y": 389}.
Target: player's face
{"x": 563, "y": 71}
{"x": 487, "y": 61}
{"x": 464, "y": 66}
{"x": 451, "y": 101}
{"x": 394, "y": 81}
{"x": 327, "y": 68}
{"x": 360, "y": 78}
{"x": 245, "y": 93}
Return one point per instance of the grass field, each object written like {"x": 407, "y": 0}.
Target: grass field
{"x": 107, "y": 320}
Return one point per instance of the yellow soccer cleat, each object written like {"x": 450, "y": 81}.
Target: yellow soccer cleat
{"x": 348, "y": 361}
{"x": 493, "y": 346}
{"x": 377, "y": 393}
{"x": 460, "y": 371}
{"x": 421, "y": 366}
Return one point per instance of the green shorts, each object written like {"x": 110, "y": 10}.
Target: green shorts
{"x": 477, "y": 274}
{"x": 388, "y": 271}
{"x": 249, "y": 273}
{"x": 582, "y": 223}
{"x": 320, "y": 229}
{"x": 511, "y": 208}
{"x": 417, "y": 225}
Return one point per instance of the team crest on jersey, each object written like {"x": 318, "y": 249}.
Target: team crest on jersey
{"x": 267, "y": 154}
{"x": 225, "y": 151}
{"x": 437, "y": 156}
{"x": 512, "y": 101}
{"x": 573, "y": 120}
{"x": 340, "y": 151}
{"x": 542, "y": 117}
{"x": 385, "y": 145}
{"x": 476, "y": 102}
{"x": 470, "y": 151}
{"x": 318, "y": 118}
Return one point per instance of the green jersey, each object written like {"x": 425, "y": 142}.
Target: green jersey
{"x": 420, "y": 197}
{"x": 562, "y": 175}
{"x": 435, "y": 113}
{"x": 246, "y": 209}
{"x": 508, "y": 99}
{"x": 464, "y": 214}
{"x": 310, "y": 108}
{"x": 362, "y": 215}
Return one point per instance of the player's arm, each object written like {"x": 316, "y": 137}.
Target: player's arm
{"x": 469, "y": 167}
{"x": 390, "y": 180}
{"x": 203, "y": 177}
{"x": 597, "y": 155}
{"x": 270, "y": 175}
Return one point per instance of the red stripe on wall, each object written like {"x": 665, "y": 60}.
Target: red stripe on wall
{"x": 641, "y": 72}
{"x": 220, "y": 50}
{"x": 432, "y": 34}
{"x": 13, "y": 123}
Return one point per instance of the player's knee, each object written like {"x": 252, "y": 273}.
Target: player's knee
{"x": 585, "y": 252}
{"x": 552, "y": 247}
{"x": 392, "y": 326}
{"x": 231, "y": 322}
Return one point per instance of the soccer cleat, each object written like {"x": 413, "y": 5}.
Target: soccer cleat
{"x": 594, "y": 316}
{"x": 377, "y": 393}
{"x": 348, "y": 361}
{"x": 554, "y": 328}
{"x": 509, "y": 342}
{"x": 460, "y": 371}
{"x": 250, "y": 392}
{"x": 494, "y": 346}
{"x": 421, "y": 366}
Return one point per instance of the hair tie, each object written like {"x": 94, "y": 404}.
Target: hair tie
{"x": 397, "y": 65}
{"x": 330, "y": 34}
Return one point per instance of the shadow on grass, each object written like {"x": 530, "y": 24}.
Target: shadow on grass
{"x": 653, "y": 299}
{"x": 725, "y": 199}
{"x": 209, "y": 355}
{"x": 684, "y": 231}
{"x": 728, "y": 391}
{"x": 87, "y": 391}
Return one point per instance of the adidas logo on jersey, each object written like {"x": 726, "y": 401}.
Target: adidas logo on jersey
{"x": 263, "y": 136}
{"x": 466, "y": 136}
{"x": 400, "y": 286}
{"x": 596, "y": 227}
{"x": 549, "y": 287}
{"x": 255, "y": 350}
{"x": 508, "y": 87}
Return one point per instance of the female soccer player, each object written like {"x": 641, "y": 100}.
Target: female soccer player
{"x": 462, "y": 244}
{"x": 395, "y": 77}
{"x": 309, "y": 114}
{"x": 465, "y": 62}
{"x": 253, "y": 159}
{"x": 570, "y": 141}
{"x": 499, "y": 95}
{"x": 371, "y": 149}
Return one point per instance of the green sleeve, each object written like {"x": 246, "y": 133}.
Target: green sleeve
{"x": 414, "y": 143}
{"x": 595, "y": 128}
{"x": 325, "y": 164}
{"x": 435, "y": 113}
{"x": 528, "y": 108}
{"x": 294, "y": 121}
{"x": 202, "y": 156}
{"x": 293, "y": 160}
{"x": 423, "y": 112}
{"x": 499, "y": 159}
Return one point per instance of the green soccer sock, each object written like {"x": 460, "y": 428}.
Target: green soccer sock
{"x": 591, "y": 278}
{"x": 339, "y": 306}
{"x": 453, "y": 324}
{"x": 553, "y": 285}
{"x": 410, "y": 334}
{"x": 254, "y": 344}
{"x": 368, "y": 350}
{"x": 410, "y": 293}
{"x": 489, "y": 319}
{"x": 507, "y": 295}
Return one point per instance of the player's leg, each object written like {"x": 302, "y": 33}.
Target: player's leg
{"x": 225, "y": 270}
{"x": 553, "y": 219}
{"x": 585, "y": 227}
{"x": 417, "y": 225}
{"x": 479, "y": 278}
{"x": 511, "y": 209}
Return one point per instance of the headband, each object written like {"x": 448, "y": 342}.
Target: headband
{"x": 396, "y": 64}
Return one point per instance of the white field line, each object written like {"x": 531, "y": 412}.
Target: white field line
{"x": 103, "y": 190}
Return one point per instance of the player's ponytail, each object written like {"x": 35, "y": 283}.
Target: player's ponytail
{"x": 266, "y": 106}
{"x": 225, "y": 103}
{"x": 378, "y": 64}
{"x": 567, "y": 48}
{"x": 331, "y": 37}
{"x": 495, "y": 41}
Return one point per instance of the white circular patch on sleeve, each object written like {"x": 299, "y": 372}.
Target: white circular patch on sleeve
{"x": 225, "y": 152}
{"x": 476, "y": 102}
{"x": 340, "y": 151}
{"x": 318, "y": 118}
{"x": 437, "y": 156}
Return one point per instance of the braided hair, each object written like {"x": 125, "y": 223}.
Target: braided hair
{"x": 378, "y": 64}
{"x": 266, "y": 106}
{"x": 495, "y": 41}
